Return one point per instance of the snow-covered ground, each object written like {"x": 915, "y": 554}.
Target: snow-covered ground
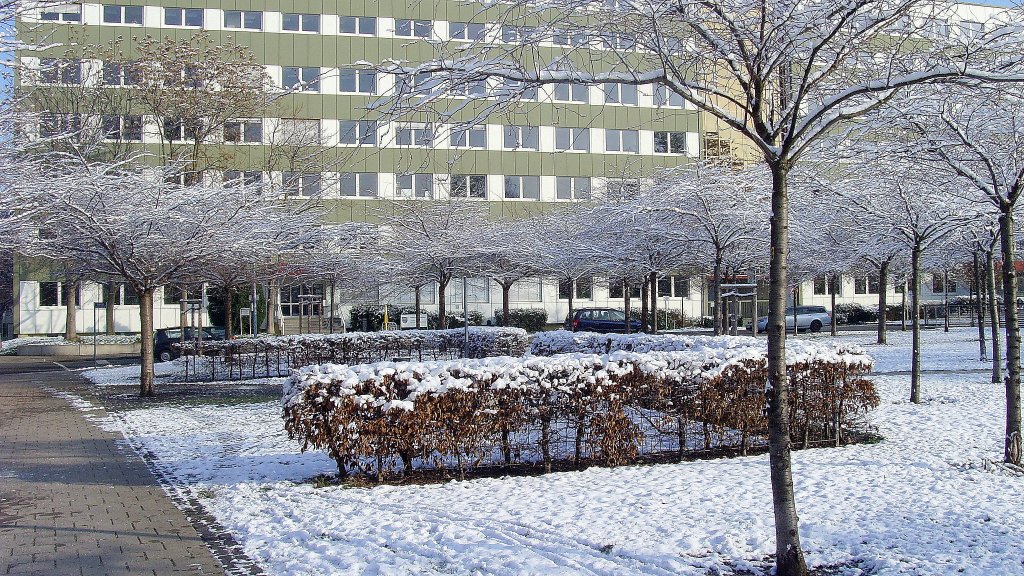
{"x": 8, "y": 347}
{"x": 926, "y": 500}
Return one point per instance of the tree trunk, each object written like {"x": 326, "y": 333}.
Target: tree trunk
{"x": 506, "y": 295}
{"x": 883, "y": 288}
{"x": 945, "y": 298}
{"x": 654, "y": 302}
{"x": 915, "y": 306}
{"x": 643, "y": 305}
{"x": 70, "y": 305}
{"x": 146, "y": 317}
{"x": 979, "y": 305}
{"x": 716, "y": 292}
{"x": 572, "y": 292}
{"x": 903, "y": 312}
{"x": 1012, "y": 447}
{"x": 625, "y": 303}
{"x": 111, "y": 300}
{"x": 229, "y": 311}
{"x": 993, "y": 313}
{"x": 789, "y": 555}
{"x": 416, "y": 302}
{"x": 273, "y": 325}
{"x": 833, "y": 284}
{"x": 442, "y": 301}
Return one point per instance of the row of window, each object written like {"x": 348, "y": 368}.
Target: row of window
{"x": 365, "y": 81}
{"x": 347, "y": 25}
{"x": 422, "y": 185}
{"x": 869, "y": 285}
{"x": 308, "y": 132}
{"x": 467, "y": 31}
{"x": 52, "y": 294}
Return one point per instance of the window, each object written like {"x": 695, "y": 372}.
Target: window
{"x": 869, "y": 284}
{"x": 478, "y": 290}
{"x": 475, "y": 88}
{"x": 301, "y": 184}
{"x": 513, "y": 34}
{"x": 524, "y": 187}
{"x": 60, "y": 71}
{"x": 526, "y": 137}
{"x": 57, "y": 125}
{"x": 365, "y": 25}
{"x": 175, "y": 129}
{"x": 415, "y": 185}
{"x": 301, "y": 79}
{"x": 465, "y": 31}
{"x": 357, "y": 81}
{"x": 527, "y": 290}
{"x": 122, "y": 127}
{"x": 572, "y": 188}
{"x": 680, "y": 287}
{"x": 873, "y": 285}
{"x": 622, "y": 141}
{"x": 358, "y": 184}
{"x": 572, "y": 139}
{"x": 191, "y": 17}
{"x": 971, "y": 30}
{"x": 62, "y": 13}
{"x": 664, "y": 286}
{"x": 415, "y": 135}
{"x": 616, "y": 93}
{"x": 939, "y": 286}
{"x": 469, "y": 186}
{"x": 300, "y": 22}
{"x": 665, "y": 97}
{"x": 517, "y": 89}
{"x": 420, "y": 81}
{"x": 298, "y": 132}
{"x": 243, "y": 19}
{"x": 619, "y": 42}
{"x": 471, "y": 137}
{"x": 569, "y": 38}
{"x": 114, "y": 14}
{"x": 584, "y": 289}
{"x": 239, "y": 131}
{"x": 616, "y": 290}
{"x": 172, "y": 297}
{"x": 358, "y": 132}
{"x": 570, "y": 92}
{"x": 234, "y": 178}
{"x": 49, "y": 294}
{"x": 621, "y": 189}
{"x": 129, "y": 296}
{"x": 413, "y": 28}
{"x": 120, "y": 74}
{"x": 821, "y": 285}
{"x": 670, "y": 142}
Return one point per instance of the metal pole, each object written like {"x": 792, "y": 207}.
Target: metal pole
{"x": 465, "y": 318}
{"x": 95, "y": 332}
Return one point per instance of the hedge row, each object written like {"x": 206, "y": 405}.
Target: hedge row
{"x": 279, "y": 355}
{"x": 612, "y": 409}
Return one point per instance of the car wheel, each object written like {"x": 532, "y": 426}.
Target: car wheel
{"x": 816, "y": 326}
{"x": 165, "y": 356}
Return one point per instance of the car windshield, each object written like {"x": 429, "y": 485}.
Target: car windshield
{"x": 616, "y": 316}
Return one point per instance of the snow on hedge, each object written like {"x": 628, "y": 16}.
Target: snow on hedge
{"x": 277, "y": 355}
{"x": 388, "y": 411}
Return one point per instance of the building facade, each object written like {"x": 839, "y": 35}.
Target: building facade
{"x": 559, "y": 144}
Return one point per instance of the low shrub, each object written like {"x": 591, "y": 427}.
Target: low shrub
{"x": 854, "y": 313}
{"x": 454, "y": 321}
{"x": 370, "y": 317}
{"x": 607, "y": 409}
{"x": 529, "y": 319}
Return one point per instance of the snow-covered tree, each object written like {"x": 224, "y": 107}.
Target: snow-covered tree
{"x": 509, "y": 249}
{"x": 898, "y": 205}
{"x": 133, "y": 224}
{"x": 978, "y": 134}
{"x": 781, "y": 74}
{"x": 441, "y": 236}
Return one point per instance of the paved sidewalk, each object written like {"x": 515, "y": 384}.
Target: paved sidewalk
{"x": 72, "y": 502}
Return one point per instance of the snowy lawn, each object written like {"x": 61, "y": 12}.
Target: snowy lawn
{"x": 924, "y": 501}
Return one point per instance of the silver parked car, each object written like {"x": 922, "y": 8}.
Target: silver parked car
{"x": 812, "y": 318}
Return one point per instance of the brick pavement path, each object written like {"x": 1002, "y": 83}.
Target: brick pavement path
{"x": 72, "y": 502}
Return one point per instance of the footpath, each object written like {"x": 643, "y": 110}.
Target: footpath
{"x": 75, "y": 499}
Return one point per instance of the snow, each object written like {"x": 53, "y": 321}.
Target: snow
{"x": 129, "y": 375}
{"x": 10, "y": 347}
{"x": 926, "y": 500}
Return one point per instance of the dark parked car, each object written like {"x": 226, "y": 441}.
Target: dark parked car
{"x": 599, "y": 320}
{"x": 163, "y": 339}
